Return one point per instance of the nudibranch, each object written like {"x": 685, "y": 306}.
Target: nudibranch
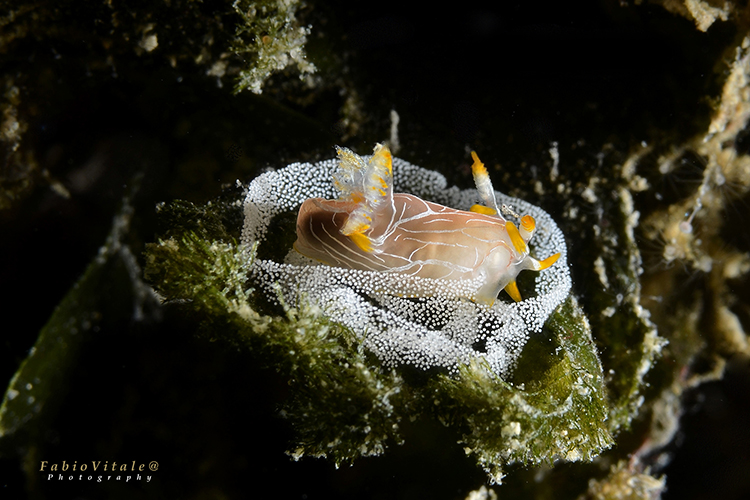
{"x": 413, "y": 275}
{"x": 372, "y": 229}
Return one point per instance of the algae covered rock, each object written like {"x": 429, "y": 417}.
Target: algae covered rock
{"x": 52, "y": 51}
{"x": 346, "y": 403}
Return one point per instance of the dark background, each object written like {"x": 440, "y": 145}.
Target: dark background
{"x": 505, "y": 81}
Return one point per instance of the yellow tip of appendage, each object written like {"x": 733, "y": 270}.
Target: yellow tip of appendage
{"x": 512, "y": 289}
{"x": 515, "y": 237}
{"x": 528, "y": 223}
{"x": 544, "y": 264}
{"x": 382, "y": 153}
{"x": 362, "y": 241}
{"x": 481, "y": 209}
{"x": 477, "y": 168}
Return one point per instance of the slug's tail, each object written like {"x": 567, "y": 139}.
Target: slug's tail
{"x": 368, "y": 184}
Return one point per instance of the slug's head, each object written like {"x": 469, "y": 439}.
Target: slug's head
{"x": 519, "y": 237}
{"x": 516, "y": 240}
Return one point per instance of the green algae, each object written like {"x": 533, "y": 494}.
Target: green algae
{"x": 560, "y": 413}
{"x": 270, "y": 39}
{"x": 344, "y": 405}
{"x": 341, "y": 406}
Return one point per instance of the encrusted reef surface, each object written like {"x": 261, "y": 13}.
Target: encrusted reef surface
{"x": 144, "y": 327}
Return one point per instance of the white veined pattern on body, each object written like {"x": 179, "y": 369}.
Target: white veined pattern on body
{"x": 422, "y": 321}
{"x": 411, "y": 229}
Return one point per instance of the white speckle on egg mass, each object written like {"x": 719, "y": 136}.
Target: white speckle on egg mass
{"x": 440, "y": 328}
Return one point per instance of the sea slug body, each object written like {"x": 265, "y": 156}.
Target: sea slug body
{"x": 372, "y": 229}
